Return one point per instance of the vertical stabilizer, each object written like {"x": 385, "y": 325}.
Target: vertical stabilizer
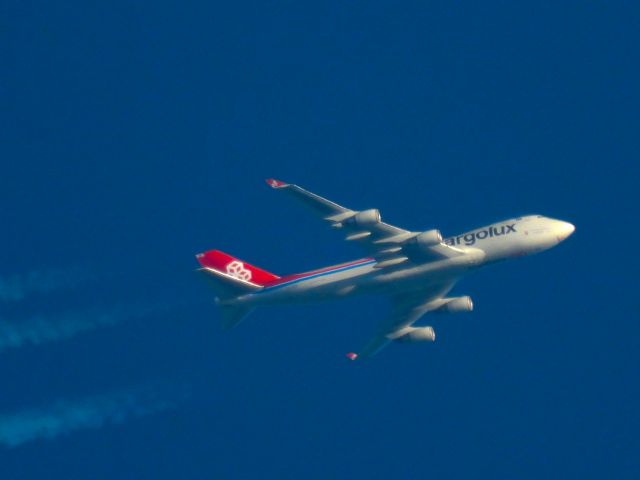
{"x": 233, "y": 267}
{"x": 230, "y": 278}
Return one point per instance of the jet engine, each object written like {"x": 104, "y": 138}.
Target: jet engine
{"x": 457, "y": 304}
{"x": 367, "y": 218}
{"x": 428, "y": 239}
{"x": 417, "y": 335}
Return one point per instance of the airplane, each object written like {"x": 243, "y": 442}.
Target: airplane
{"x": 416, "y": 270}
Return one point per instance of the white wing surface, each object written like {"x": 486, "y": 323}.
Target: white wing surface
{"x": 389, "y": 245}
{"x": 406, "y": 309}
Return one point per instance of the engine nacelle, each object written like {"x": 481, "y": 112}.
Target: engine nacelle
{"x": 366, "y": 218}
{"x": 417, "y": 335}
{"x": 428, "y": 239}
{"x": 457, "y": 304}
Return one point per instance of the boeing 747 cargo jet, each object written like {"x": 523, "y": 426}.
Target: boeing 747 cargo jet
{"x": 415, "y": 270}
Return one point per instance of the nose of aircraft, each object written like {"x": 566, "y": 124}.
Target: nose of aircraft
{"x": 564, "y": 230}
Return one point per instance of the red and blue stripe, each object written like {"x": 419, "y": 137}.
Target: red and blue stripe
{"x": 301, "y": 277}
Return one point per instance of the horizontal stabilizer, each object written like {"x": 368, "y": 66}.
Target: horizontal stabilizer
{"x": 232, "y": 315}
{"x": 231, "y": 278}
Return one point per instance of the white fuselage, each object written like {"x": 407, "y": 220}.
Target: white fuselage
{"x": 507, "y": 239}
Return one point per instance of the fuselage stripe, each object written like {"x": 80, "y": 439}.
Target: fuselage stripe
{"x": 316, "y": 275}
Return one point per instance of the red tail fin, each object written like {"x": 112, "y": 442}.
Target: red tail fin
{"x": 224, "y": 263}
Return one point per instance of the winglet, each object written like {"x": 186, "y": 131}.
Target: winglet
{"x": 352, "y": 356}
{"x": 273, "y": 183}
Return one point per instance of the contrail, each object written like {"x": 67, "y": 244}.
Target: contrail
{"x": 43, "y": 329}
{"x": 65, "y": 416}
{"x": 17, "y": 287}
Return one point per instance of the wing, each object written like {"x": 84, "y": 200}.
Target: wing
{"x": 406, "y": 309}
{"x": 389, "y": 245}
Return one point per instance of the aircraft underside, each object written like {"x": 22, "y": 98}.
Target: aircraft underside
{"x": 415, "y": 270}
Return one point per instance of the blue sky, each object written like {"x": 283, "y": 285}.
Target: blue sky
{"x": 135, "y": 136}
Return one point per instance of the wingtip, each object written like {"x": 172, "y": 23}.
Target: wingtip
{"x": 273, "y": 183}
{"x": 351, "y": 356}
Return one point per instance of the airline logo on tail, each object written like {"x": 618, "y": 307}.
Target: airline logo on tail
{"x": 236, "y": 269}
